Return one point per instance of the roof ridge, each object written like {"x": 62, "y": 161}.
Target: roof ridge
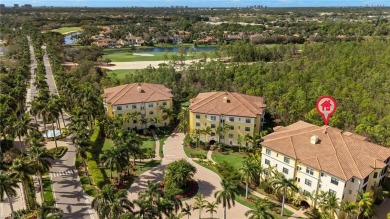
{"x": 349, "y": 152}
{"x": 331, "y": 142}
{"x": 247, "y": 103}
{"x": 292, "y": 144}
{"x": 128, "y": 87}
{"x": 204, "y": 100}
{"x": 319, "y": 128}
{"x": 153, "y": 87}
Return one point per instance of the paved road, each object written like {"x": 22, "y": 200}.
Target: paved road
{"x": 32, "y": 91}
{"x": 49, "y": 73}
{"x": 67, "y": 188}
{"x": 208, "y": 181}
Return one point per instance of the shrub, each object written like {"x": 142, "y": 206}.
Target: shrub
{"x": 96, "y": 174}
{"x": 60, "y": 152}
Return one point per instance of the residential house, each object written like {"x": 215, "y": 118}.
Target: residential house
{"x": 325, "y": 159}
{"x": 145, "y": 98}
{"x": 243, "y": 113}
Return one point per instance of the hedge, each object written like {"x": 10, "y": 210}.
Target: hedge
{"x": 93, "y": 157}
{"x": 60, "y": 152}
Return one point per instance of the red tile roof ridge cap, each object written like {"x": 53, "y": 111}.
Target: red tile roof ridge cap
{"x": 128, "y": 87}
{"x": 292, "y": 144}
{"x": 232, "y": 109}
{"x": 284, "y": 136}
{"x": 153, "y": 87}
{"x": 247, "y": 103}
{"x": 349, "y": 152}
{"x": 335, "y": 152}
{"x": 203, "y": 101}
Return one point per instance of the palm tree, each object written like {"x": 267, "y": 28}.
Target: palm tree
{"x": 206, "y": 131}
{"x": 47, "y": 210}
{"x": 112, "y": 203}
{"x": 212, "y": 208}
{"x": 149, "y": 200}
{"x": 116, "y": 157}
{"x": 365, "y": 204}
{"x": 52, "y": 113}
{"x": 240, "y": 139}
{"x": 178, "y": 173}
{"x": 350, "y": 209}
{"x": 183, "y": 126}
{"x": 8, "y": 184}
{"x": 187, "y": 210}
{"x": 35, "y": 109}
{"x": 283, "y": 185}
{"x": 227, "y": 195}
{"x": 330, "y": 204}
{"x": 200, "y": 203}
{"x": 169, "y": 114}
{"x": 81, "y": 143}
{"x": 247, "y": 174}
{"x": 261, "y": 210}
{"x": 40, "y": 159}
{"x": 22, "y": 126}
{"x": 21, "y": 170}
{"x": 131, "y": 142}
{"x": 197, "y": 133}
{"x": 221, "y": 130}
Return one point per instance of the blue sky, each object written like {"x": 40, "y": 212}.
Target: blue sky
{"x": 197, "y": 3}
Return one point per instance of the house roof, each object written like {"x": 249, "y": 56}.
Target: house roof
{"x": 341, "y": 154}
{"x": 227, "y": 103}
{"x": 136, "y": 93}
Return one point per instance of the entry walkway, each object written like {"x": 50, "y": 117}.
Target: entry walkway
{"x": 209, "y": 182}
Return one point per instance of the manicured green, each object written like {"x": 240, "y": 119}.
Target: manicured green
{"x": 129, "y": 57}
{"x": 96, "y": 173}
{"x": 48, "y": 190}
{"x": 191, "y": 152}
{"x": 66, "y": 30}
{"x": 147, "y": 143}
{"x": 121, "y": 73}
{"x": 234, "y": 159}
{"x": 108, "y": 144}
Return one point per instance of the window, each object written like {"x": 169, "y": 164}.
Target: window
{"x": 297, "y": 179}
{"x": 213, "y": 118}
{"x": 268, "y": 151}
{"x": 150, "y": 104}
{"x": 375, "y": 175}
{"x": 332, "y": 191}
{"x": 309, "y": 171}
{"x": 119, "y": 114}
{"x": 119, "y": 108}
{"x": 232, "y": 127}
{"x": 197, "y": 124}
{"x": 212, "y": 126}
{"x": 151, "y": 113}
{"x": 231, "y": 135}
{"x": 231, "y": 119}
{"x": 308, "y": 182}
{"x": 134, "y": 106}
{"x": 267, "y": 162}
{"x": 164, "y": 103}
{"x": 212, "y": 134}
{"x": 197, "y": 116}
{"x": 322, "y": 174}
{"x": 334, "y": 181}
{"x": 286, "y": 160}
{"x": 248, "y": 120}
{"x": 353, "y": 179}
{"x": 285, "y": 170}
{"x": 247, "y": 129}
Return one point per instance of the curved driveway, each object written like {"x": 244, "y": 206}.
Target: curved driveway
{"x": 209, "y": 182}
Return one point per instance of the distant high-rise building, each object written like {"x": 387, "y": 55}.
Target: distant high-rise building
{"x": 27, "y": 5}
{"x": 16, "y": 5}
{"x": 2, "y": 6}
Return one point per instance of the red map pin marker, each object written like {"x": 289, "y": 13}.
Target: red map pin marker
{"x": 326, "y": 106}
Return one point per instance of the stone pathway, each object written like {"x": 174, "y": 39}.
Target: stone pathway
{"x": 209, "y": 182}
{"x": 209, "y": 153}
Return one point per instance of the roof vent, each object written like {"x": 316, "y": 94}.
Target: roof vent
{"x": 314, "y": 139}
{"x": 225, "y": 99}
{"x": 139, "y": 89}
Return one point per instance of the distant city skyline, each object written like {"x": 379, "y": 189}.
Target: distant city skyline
{"x": 198, "y": 3}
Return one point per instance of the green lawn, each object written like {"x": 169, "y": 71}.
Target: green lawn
{"x": 234, "y": 159}
{"x": 66, "y": 30}
{"x": 193, "y": 151}
{"x": 162, "y": 141}
{"x": 145, "y": 166}
{"x": 108, "y": 144}
{"x": 48, "y": 190}
{"x": 90, "y": 190}
{"x": 121, "y": 73}
{"x": 147, "y": 143}
{"x": 129, "y": 57}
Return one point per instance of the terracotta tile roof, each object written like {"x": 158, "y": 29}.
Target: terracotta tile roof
{"x": 341, "y": 154}
{"x": 136, "y": 93}
{"x": 227, "y": 103}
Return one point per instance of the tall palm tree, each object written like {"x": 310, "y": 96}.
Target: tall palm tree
{"x": 227, "y": 195}
{"x": 112, "y": 203}
{"x": 116, "y": 157}
{"x": 330, "y": 204}
{"x": 131, "y": 142}
{"x": 21, "y": 170}
{"x": 206, "y": 131}
{"x": 240, "y": 139}
{"x": 149, "y": 200}
{"x": 81, "y": 143}
{"x": 247, "y": 174}
{"x": 40, "y": 159}
{"x": 350, "y": 209}
{"x": 283, "y": 185}
{"x": 212, "y": 208}
{"x": 221, "y": 130}
{"x": 178, "y": 173}
{"x": 197, "y": 133}
{"x": 47, "y": 210}
{"x": 261, "y": 210}
{"x": 187, "y": 210}
{"x": 22, "y": 126}
{"x": 35, "y": 109}
{"x": 199, "y": 203}
{"x": 365, "y": 203}
{"x": 183, "y": 126}
{"x": 8, "y": 185}
{"x": 169, "y": 114}
{"x": 52, "y": 113}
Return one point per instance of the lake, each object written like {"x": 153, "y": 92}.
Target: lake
{"x": 160, "y": 49}
{"x": 69, "y": 39}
